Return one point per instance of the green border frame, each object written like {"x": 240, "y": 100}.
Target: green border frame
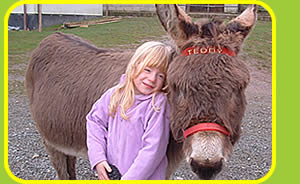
{"x": 5, "y": 84}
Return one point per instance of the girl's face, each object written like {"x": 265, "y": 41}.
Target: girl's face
{"x": 151, "y": 79}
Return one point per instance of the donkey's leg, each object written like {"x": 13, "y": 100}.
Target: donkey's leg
{"x": 175, "y": 156}
{"x": 63, "y": 164}
{"x": 173, "y": 163}
{"x": 71, "y": 166}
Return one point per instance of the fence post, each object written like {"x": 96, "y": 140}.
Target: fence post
{"x": 208, "y": 9}
{"x": 40, "y": 17}
{"x": 25, "y": 17}
{"x": 106, "y": 10}
{"x": 187, "y": 8}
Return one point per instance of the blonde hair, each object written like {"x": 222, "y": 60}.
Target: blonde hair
{"x": 150, "y": 54}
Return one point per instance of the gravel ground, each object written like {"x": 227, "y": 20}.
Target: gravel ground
{"x": 251, "y": 159}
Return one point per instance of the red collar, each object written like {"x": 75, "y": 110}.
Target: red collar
{"x": 205, "y": 127}
{"x": 206, "y": 50}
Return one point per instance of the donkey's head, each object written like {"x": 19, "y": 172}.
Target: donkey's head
{"x": 207, "y": 83}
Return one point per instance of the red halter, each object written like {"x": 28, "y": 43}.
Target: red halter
{"x": 206, "y": 50}
{"x": 205, "y": 127}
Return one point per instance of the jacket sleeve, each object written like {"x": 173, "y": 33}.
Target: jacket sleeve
{"x": 96, "y": 126}
{"x": 154, "y": 147}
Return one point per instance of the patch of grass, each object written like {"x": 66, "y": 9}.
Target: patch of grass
{"x": 259, "y": 45}
{"x": 127, "y": 31}
{"x": 21, "y": 42}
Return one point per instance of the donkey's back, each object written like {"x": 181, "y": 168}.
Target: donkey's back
{"x": 65, "y": 76}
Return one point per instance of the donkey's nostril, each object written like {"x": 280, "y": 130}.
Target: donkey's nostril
{"x": 195, "y": 166}
{"x": 206, "y": 170}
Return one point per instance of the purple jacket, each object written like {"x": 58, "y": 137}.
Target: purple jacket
{"x": 137, "y": 147}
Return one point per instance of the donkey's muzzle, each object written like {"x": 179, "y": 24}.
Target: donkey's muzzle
{"x": 206, "y": 171}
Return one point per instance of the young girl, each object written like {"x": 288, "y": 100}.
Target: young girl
{"x": 128, "y": 126}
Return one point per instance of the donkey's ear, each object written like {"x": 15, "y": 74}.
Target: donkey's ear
{"x": 176, "y": 22}
{"x": 241, "y": 26}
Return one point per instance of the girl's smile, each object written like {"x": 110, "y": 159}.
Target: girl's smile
{"x": 148, "y": 85}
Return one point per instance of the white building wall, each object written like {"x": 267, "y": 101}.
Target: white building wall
{"x": 135, "y": 7}
{"x": 31, "y": 9}
{"x": 131, "y": 7}
{"x": 230, "y": 8}
{"x": 63, "y": 9}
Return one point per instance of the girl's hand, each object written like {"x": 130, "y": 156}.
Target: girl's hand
{"x": 101, "y": 168}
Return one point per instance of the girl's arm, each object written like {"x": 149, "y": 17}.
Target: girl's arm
{"x": 155, "y": 141}
{"x": 97, "y": 125}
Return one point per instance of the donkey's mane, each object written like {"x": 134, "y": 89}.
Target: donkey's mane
{"x": 80, "y": 42}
